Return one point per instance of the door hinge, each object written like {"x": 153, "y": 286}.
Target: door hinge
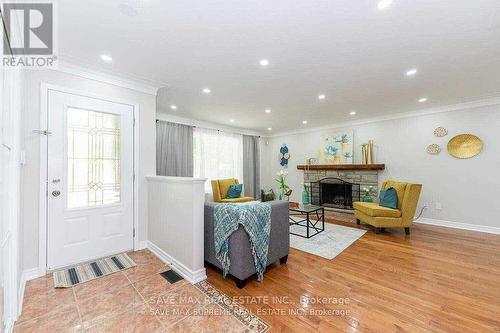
{"x": 133, "y": 232}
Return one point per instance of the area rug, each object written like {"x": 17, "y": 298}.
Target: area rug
{"x": 69, "y": 277}
{"x": 327, "y": 244}
{"x": 250, "y": 322}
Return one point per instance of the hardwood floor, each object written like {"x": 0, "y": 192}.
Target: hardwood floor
{"x": 435, "y": 280}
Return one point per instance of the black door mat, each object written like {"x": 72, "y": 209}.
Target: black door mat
{"x": 171, "y": 276}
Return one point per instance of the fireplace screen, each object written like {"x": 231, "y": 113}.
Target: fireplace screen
{"x": 334, "y": 193}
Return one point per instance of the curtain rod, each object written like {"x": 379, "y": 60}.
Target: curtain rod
{"x": 194, "y": 126}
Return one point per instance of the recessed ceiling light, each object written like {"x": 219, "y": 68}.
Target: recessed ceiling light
{"x": 322, "y": 96}
{"x": 207, "y": 91}
{"x": 383, "y": 4}
{"x": 269, "y": 128}
{"x": 352, "y": 113}
{"x": 422, "y": 100}
{"x": 128, "y": 10}
{"x": 264, "y": 62}
{"x": 231, "y": 120}
{"x": 173, "y": 107}
{"x": 304, "y": 122}
{"x": 411, "y": 72}
{"x": 106, "y": 58}
{"x": 268, "y": 110}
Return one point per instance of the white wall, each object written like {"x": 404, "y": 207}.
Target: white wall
{"x": 467, "y": 189}
{"x": 176, "y": 224}
{"x": 31, "y": 171}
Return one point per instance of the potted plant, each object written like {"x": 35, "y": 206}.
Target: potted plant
{"x": 285, "y": 190}
{"x": 367, "y": 194}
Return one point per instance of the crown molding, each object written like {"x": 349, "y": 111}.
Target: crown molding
{"x": 205, "y": 124}
{"x": 423, "y": 112}
{"x": 85, "y": 72}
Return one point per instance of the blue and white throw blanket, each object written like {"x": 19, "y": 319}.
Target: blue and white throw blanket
{"x": 255, "y": 217}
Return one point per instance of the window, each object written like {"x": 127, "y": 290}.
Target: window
{"x": 93, "y": 158}
{"x": 217, "y": 155}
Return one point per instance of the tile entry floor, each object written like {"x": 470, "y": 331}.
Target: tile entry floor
{"x": 135, "y": 300}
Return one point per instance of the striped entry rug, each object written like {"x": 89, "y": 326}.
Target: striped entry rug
{"x": 92, "y": 270}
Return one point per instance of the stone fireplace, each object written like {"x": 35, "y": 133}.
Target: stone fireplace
{"x": 336, "y": 186}
{"x": 334, "y": 193}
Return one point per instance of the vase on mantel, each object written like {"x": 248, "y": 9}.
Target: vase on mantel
{"x": 367, "y": 153}
{"x": 364, "y": 156}
{"x": 370, "y": 152}
{"x": 306, "y": 197}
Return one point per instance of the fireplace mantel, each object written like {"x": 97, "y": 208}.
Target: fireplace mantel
{"x": 341, "y": 167}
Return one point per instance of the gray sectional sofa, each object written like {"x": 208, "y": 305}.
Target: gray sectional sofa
{"x": 242, "y": 264}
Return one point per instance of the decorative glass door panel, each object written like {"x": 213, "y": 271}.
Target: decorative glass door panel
{"x": 93, "y": 150}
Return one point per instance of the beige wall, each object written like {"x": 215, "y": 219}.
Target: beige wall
{"x": 466, "y": 189}
{"x": 30, "y": 176}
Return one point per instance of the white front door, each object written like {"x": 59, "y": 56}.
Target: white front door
{"x": 89, "y": 178}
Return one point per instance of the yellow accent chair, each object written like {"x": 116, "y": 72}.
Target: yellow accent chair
{"x": 220, "y": 188}
{"x": 383, "y": 217}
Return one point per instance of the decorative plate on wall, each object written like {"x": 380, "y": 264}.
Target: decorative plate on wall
{"x": 433, "y": 149}
{"x": 465, "y": 146}
{"x": 440, "y": 132}
{"x": 284, "y": 156}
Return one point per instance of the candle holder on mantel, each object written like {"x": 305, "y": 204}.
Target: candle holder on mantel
{"x": 367, "y": 153}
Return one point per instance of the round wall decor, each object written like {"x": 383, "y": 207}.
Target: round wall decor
{"x": 433, "y": 149}
{"x": 465, "y": 146}
{"x": 284, "y": 156}
{"x": 440, "y": 132}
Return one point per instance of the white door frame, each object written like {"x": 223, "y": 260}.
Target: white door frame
{"x": 42, "y": 228}
{"x": 11, "y": 212}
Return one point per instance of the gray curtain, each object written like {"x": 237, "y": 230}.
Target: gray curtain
{"x": 174, "y": 149}
{"x": 251, "y": 165}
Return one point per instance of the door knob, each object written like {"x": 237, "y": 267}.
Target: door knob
{"x": 56, "y": 193}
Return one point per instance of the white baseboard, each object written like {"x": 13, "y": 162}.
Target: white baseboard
{"x": 26, "y": 275}
{"x": 457, "y": 225}
{"x": 9, "y": 326}
{"x": 191, "y": 276}
{"x": 142, "y": 245}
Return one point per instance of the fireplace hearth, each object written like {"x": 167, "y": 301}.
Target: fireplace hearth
{"x": 359, "y": 176}
{"x": 334, "y": 193}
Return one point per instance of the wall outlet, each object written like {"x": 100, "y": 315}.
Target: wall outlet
{"x": 438, "y": 206}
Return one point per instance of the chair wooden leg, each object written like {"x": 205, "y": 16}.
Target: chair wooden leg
{"x": 240, "y": 283}
{"x": 407, "y": 230}
{"x": 358, "y": 222}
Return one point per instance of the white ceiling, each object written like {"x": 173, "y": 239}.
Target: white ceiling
{"x": 347, "y": 49}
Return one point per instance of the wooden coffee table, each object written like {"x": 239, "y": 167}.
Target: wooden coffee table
{"x": 301, "y": 216}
